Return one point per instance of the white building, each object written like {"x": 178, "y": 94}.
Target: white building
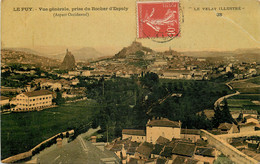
{"x": 85, "y": 73}
{"x": 162, "y": 127}
{"x": 34, "y": 100}
{"x": 74, "y": 73}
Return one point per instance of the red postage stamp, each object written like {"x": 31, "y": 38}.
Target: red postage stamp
{"x": 158, "y": 19}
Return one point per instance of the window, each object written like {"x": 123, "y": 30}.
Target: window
{"x": 40, "y": 98}
{"x": 46, "y": 97}
{"x": 33, "y": 99}
{"x": 43, "y": 98}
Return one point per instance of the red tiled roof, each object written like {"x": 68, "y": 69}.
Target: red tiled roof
{"x": 134, "y": 132}
{"x": 37, "y": 93}
{"x": 163, "y": 123}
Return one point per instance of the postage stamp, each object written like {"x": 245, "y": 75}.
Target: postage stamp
{"x": 158, "y": 19}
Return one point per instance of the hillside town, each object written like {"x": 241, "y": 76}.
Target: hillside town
{"x": 144, "y": 107}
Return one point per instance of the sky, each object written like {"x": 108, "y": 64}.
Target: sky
{"x": 110, "y": 31}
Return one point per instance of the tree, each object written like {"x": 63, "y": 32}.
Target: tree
{"x": 217, "y": 119}
{"x": 226, "y": 116}
{"x": 59, "y": 99}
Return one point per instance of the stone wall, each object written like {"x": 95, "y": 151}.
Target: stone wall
{"x": 28, "y": 154}
{"x": 228, "y": 150}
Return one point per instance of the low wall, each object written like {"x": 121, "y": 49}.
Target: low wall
{"x": 228, "y": 150}
{"x": 236, "y": 135}
{"x": 29, "y": 153}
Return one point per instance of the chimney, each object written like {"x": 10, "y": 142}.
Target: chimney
{"x": 180, "y": 123}
{"x": 93, "y": 139}
{"x": 59, "y": 142}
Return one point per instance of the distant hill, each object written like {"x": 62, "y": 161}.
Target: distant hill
{"x": 14, "y": 56}
{"x": 246, "y": 55}
{"x": 82, "y": 54}
{"x": 133, "y": 48}
{"x": 27, "y": 50}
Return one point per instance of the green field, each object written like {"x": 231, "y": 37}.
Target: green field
{"x": 244, "y": 102}
{"x": 239, "y": 102}
{"x": 247, "y": 96}
{"x": 23, "y": 131}
{"x": 255, "y": 80}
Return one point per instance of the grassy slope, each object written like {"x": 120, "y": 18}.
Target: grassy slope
{"x": 23, "y": 131}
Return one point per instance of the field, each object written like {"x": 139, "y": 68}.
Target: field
{"x": 247, "y": 86}
{"x": 23, "y": 131}
{"x": 249, "y": 89}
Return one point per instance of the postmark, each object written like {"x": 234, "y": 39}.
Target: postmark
{"x": 158, "y": 20}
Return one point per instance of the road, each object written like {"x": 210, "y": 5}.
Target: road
{"x": 217, "y": 103}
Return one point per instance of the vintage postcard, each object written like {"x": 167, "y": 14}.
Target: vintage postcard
{"x": 130, "y": 81}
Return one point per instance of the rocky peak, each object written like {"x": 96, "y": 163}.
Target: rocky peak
{"x": 68, "y": 61}
{"x": 133, "y": 48}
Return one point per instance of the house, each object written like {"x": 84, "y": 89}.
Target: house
{"x": 177, "y": 74}
{"x": 74, "y": 73}
{"x": 52, "y": 84}
{"x": 161, "y": 140}
{"x": 134, "y": 134}
{"x": 85, "y": 73}
{"x": 205, "y": 154}
{"x": 190, "y": 134}
{"x": 4, "y": 101}
{"x": 176, "y": 159}
{"x": 157, "y": 151}
{"x": 186, "y": 149}
{"x": 227, "y": 127}
{"x": 144, "y": 151}
{"x": 75, "y": 81}
{"x": 162, "y": 127}
{"x": 34, "y": 100}
{"x": 250, "y": 118}
{"x": 253, "y": 113}
{"x": 247, "y": 127}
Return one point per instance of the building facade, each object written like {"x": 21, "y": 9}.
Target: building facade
{"x": 134, "y": 134}
{"x": 162, "y": 127}
{"x": 34, "y": 100}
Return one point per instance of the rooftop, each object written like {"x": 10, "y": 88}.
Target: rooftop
{"x": 164, "y": 122}
{"x": 161, "y": 140}
{"x": 145, "y": 149}
{"x": 37, "y": 93}
{"x": 190, "y": 131}
{"x": 134, "y": 132}
{"x": 184, "y": 149}
{"x": 225, "y": 126}
{"x": 75, "y": 152}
